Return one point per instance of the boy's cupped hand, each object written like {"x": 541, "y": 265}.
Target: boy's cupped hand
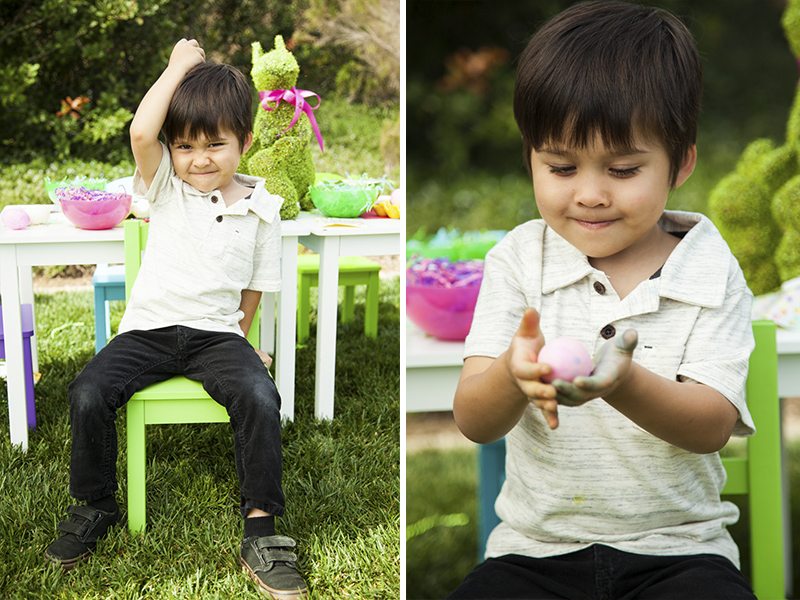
{"x": 526, "y": 372}
{"x": 612, "y": 364}
{"x": 186, "y": 54}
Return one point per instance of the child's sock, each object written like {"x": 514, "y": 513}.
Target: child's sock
{"x": 259, "y": 526}
{"x": 106, "y": 503}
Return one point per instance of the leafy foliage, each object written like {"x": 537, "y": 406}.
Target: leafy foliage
{"x": 111, "y": 51}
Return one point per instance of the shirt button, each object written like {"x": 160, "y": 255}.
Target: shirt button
{"x": 599, "y": 288}
{"x": 219, "y": 219}
{"x": 214, "y": 199}
{"x": 608, "y": 332}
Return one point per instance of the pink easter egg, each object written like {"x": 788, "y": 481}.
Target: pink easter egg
{"x": 15, "y": 217}
{"x": 567, "y": 357}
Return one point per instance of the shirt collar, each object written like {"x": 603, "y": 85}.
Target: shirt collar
{"x": 696, "y": 271}
{"x": 263, "y": 204}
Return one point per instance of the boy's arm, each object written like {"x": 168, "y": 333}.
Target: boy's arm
{"x": 248, "y": 305}
{"x": 690, "y": 415}
{"x": 493, "y": 393}
{"x": 152, "y": 111}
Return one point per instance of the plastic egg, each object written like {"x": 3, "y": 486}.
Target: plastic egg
{"x": 567, "y": 357}
{"x": 39, "y": 213}
{"x": 15, "y": 217}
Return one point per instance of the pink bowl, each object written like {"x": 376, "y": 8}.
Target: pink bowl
{"x": 443, "y": 312}
{"x": 90, "y": 209}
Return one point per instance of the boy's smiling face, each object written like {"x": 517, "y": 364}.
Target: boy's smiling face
{"x": 605, "y": 203}
{"x": 208, "y": 164}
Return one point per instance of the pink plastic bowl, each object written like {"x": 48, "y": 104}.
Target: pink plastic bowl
{"x": 443, "y": 312}
{"x": 87, "y": 209}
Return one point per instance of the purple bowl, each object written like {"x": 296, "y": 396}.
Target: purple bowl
{"x": 443, "y": 312}
{"x": 93, "y": 209}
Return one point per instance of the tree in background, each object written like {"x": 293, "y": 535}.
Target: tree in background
{"x": 108, "y": 52}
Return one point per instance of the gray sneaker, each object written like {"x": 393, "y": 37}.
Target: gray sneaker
{"x": 271, "y": 563}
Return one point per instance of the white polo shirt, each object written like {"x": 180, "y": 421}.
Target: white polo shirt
{"x": 201, "y": 254}
{"x": 600, "y": 478}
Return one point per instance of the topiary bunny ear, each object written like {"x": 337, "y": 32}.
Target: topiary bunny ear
{"x": 279, "y": 44}
{"x": 258, "y": 51}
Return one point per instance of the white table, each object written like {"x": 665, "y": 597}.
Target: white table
{"x": 331, "y": 239}
{"x": 59, "y": 243}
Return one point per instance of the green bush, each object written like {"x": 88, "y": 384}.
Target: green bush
{"x": 110, "y": 52}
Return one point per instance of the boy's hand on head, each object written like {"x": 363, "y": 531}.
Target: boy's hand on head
{"x": 186, "y": 54}
{"x": 612, "y": 364}
{"x": 526, "y": 372}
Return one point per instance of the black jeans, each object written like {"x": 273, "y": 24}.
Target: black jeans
{"x": 230, "y": 371}
{"x": 602, "y": 573}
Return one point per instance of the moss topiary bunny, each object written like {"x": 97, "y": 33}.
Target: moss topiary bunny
{"x": 757, "y": 207}
{"x": 281, "y": 151}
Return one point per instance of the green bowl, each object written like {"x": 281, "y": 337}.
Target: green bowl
{"x": 344, "y": 201}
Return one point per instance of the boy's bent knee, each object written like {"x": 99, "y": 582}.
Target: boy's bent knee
{"x": 259, "y": 392}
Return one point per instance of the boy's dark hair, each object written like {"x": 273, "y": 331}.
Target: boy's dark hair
{"x": 210, "y": 96}
{"x": 613, "y": 69}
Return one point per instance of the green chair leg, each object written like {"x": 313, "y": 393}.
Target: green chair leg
{"x": 371, "y": 306}
{"x": 349, "y": 304}
{"x": 303, "y": 307}
{"x": 137, "y": 509}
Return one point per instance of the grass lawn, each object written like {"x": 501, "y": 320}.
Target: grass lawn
{"x": 441, "y": 517}
{"x": 341, "y": 479}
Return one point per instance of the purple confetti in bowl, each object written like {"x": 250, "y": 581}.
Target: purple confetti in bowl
{"x": 441, "y": 295}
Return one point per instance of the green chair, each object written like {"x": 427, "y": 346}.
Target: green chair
{"x": 756, "y": 475}
{"x": 177, "y": 400}
{"x": 353, "y": 271}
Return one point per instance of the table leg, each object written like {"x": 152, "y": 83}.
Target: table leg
{"x": 326, "y": 327}
{"x": 12, "y": 328}
{"x": 267, "y": 341}
{"x": 26, "y": 297}
{"x": 287, "y": 326}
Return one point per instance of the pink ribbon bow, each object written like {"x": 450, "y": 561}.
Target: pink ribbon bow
{"x": 297, "y": 98}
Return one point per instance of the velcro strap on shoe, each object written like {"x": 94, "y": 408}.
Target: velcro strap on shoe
{"x": 82, "y": 522}
{"x": 87, "y": 512}
{"x": 269, "y": 558}
{"x": 275, "y": 541}
{"x": 79, "y": 529}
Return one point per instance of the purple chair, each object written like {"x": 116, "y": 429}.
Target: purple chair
{"x": 27, "y": 360}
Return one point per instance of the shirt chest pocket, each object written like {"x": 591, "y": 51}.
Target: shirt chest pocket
{"x": 662, "y": 359}
{"x": 231, "y": 243}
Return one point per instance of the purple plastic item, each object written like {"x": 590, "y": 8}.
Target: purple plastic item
{"x": 26, "y": 311}
{"x": 93, "y": 209}
{"x": 443, "y": 312}
{"x": 441, "y": 295}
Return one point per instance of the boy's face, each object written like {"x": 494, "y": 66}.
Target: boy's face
{"x": 604, "y": 203}
{"x": 208, "y": 164}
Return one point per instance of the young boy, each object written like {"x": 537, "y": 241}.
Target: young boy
{"x": 612, "y": 481}
{"x": 213, "y": 247}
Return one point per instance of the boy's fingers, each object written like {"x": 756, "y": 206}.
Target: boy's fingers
{"x": 627, "y": 341}
{"x": 529, "y": 325}
{"x": 549, "y": 410}
{"x": 530, "y": 371}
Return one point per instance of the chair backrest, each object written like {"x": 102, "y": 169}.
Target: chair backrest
{"x": 135, "y": 242}
{"x": 757, "y": 474}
